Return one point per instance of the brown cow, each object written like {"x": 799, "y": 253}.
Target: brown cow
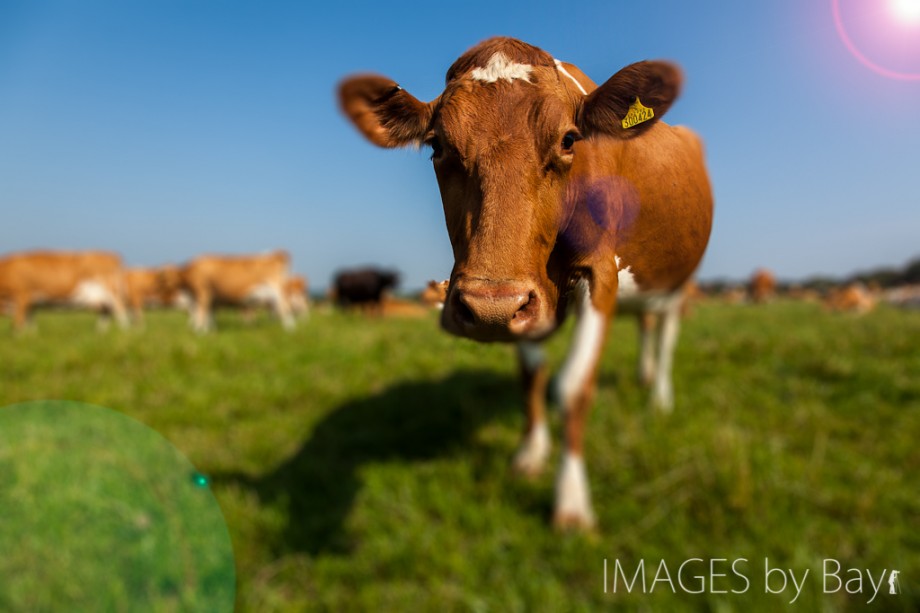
{"x": 852, "y": 298}
{"x": 91, "y": 279}
{"x": 556, "y": 193}
{"x": 435, "y": 293}
{"x": 236, "y": 281}
{"x": 762, "y": 286}
{"x": 149, "y": 287}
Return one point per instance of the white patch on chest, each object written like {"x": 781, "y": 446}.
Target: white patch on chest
{"x": 562, "y": 69}
{"x": 625, "y": 280}
{"x": 91, "y": 294}
{"x": 500, "y": 67}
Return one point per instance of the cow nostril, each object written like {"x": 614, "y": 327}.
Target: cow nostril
{"x": 528, "y": 308}
{"x": 526, "y": 314}
{"x": 462, "y": 312}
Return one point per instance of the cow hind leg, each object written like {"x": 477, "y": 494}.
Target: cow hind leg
{"x": 531, "y": 455}
{"x": 662, "y": 397}
{"x": 648, "y": 337}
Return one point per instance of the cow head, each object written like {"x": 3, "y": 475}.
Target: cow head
{"x": 507, "y": 135}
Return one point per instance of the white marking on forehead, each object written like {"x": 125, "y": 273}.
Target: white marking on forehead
{"x": 626, "y": 280}
{"x": 500, "y": 67}
{"x": 562, "y": 69}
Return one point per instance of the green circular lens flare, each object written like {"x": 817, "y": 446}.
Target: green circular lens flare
{"x": 98, "y": 513}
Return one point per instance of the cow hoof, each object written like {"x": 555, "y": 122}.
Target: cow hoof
{"x": 573, "y": 500}
{"x": 662, "y": 406}
{"x": 526, "y": 465}
{"x": 565, "y": 521}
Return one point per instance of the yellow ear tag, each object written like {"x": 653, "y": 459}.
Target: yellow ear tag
{"x": 637, "y": 114}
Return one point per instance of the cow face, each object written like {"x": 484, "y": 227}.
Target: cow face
{"x": 506, "y": 139}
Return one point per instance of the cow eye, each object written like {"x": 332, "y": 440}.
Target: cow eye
{"x": 436, "y": 149}
{"x": 569, "y": 140}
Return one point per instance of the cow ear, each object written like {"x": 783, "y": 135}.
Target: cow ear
{"x": 386, "y": 114}
{"x": 632, "y": 100}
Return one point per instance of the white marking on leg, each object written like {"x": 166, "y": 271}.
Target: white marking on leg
{"x": 587, "y": 341}
{"x": 500, "y": 67}
{"x": 531, "y": 455}
{"x": 663, "y": 390}
{"x": 573, "y": 496}
{"x": 201, "y": 319}
{"x": 562, "y": 69}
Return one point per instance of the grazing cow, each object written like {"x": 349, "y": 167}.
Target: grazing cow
{"x": 762, "y": 287}
{"x": 296, "y": 288}
{"x": 435, "y": 294}
{"x": 556, "y": 193}
{"x": 90, "y": 279}
{"x": 148, "y": 287}
{"x": 853, "y": 298}
{"x": 236, "y": 281}
{"x": 363, "y": 287}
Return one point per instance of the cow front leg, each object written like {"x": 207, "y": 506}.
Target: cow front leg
{"x": 201, "y": 312}
{"x": 576, "y": 393}
{"x": 530, "y": 457}
{"x": 283, "y": 308}
{"x": 21, "y": 306}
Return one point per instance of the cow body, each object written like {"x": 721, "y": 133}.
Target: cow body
{"x": 435, "y": 294}
{"x": 363, "y": 287}
{"x": 87, "y": 279}
{"x": 762, "y": 286}
{"x": 238, "y": 281}
{"x": 148, "y": 287}
{"x": 559, "y": 196}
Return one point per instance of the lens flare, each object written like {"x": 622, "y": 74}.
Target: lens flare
{"x": 906, "y": 12}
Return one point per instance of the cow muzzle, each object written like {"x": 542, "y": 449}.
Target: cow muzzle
{"x": 486, "y": 310}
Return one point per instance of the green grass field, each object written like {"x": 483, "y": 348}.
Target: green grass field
{"x": 363, "y": 464}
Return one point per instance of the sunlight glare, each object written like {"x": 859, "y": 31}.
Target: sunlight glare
{"x": 906, "y": 11}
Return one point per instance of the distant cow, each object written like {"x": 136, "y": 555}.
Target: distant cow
{"x": 853, "y": 298}
{"x": 88, "y": 279}
{"x": 363, "y": 287}
{"x": 762, "y": 287}
{"x": 146, "y": 287}
{"x": 236, "y": 281}
{"x": 297, "y": 291}
{"x": 558, "y": 194}
{"x": 435, "y": 293}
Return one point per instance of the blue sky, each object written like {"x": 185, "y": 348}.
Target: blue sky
{"x": 162, "y": 129}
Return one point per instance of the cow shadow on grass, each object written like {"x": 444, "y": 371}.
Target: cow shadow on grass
{"x": 410, "y": 421}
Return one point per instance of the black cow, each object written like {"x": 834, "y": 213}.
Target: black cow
{"x": 363, "y": 287}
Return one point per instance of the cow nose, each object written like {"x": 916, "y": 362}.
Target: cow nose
{"x": 485, "y": 309}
